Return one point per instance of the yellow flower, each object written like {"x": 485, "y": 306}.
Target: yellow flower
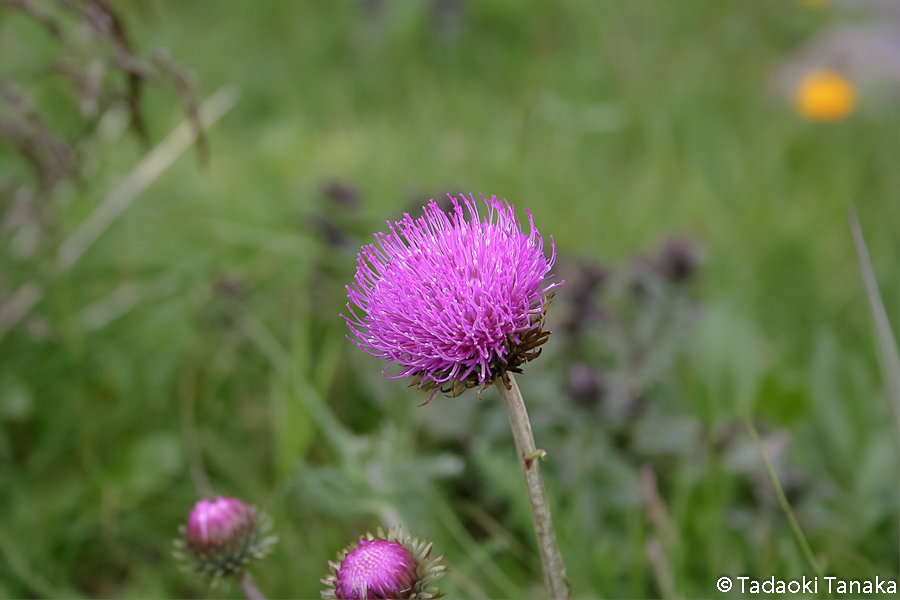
{"x": 825, "y": 96}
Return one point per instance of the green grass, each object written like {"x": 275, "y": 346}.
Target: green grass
{"x": 617, "y": 124}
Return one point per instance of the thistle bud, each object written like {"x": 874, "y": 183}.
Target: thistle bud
{"x": 585, "y": 384}
{"x": 222, "y": 536}
{"x": 213, "y": 524}
{"x": 678, "y": 260}
{"x": 387, "y": 566}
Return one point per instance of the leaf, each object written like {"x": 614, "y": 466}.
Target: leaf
{"x": 148, "y": 465}
{"x": 729, "y": 354}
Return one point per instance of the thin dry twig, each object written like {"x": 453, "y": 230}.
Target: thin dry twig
{"x": 655, "y": 506}
{"x": 145, "y": 173}
{"x": 185, "y": 86}
{"x": 665, "y": 533}
{"x": 661, "y": 571}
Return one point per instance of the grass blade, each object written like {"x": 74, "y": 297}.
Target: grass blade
{"x": 17, "y": 307}
{"x": 782, "y": 499}
{"x": 887, "y": 345}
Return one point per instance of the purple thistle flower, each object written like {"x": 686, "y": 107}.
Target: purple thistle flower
{"x": 455, "y": 301}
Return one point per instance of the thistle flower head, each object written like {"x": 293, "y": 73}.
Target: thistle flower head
{"x": 221, "y": 537}
{"x": 380, "y": 569}
{"x": 395, "y": 565}
{"x": 214, "y": 523}
{"x": 455, "y": 299}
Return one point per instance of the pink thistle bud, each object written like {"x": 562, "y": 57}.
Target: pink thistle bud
{"x": 212, "y": 524}
{"x": 395, "y": 565}
{"x": 221, "y": 537}
{"x": 377, "y": 569}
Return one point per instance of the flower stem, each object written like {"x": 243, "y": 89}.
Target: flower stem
{"x": 250, "y": 590}
{"x": 551, "y": 560}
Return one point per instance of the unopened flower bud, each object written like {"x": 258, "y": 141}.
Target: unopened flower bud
{"x": 377, "y": 569}
{"x": 678, "y": 260}
{"x": 386, "y": 566}
{"x": 222, "y": 536}
{"x": 585, "y": 384}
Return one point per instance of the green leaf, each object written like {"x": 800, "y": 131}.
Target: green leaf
{"x": 730, "y": 359}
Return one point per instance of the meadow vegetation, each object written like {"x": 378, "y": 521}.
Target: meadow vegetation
{"x": 196, "y": 345}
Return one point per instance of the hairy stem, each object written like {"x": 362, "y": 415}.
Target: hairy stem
{"x": 250, "y": 590}
{"x": 551, "y": 560}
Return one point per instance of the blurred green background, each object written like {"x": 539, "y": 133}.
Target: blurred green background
{"x": 198, "y": 343}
